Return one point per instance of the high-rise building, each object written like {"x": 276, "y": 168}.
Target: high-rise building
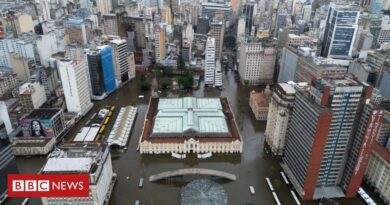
{"x": 111, "y": 24}
{"x": 340, "y": 30}
{"x": 44, "y": 122}
{"x": 131, "y": 61}
{"x": 50, "y": 80}
{"x": 217, "y": 31}
{"x": 78, "y": 30}
{"x": 8, "y": 82}
{"x": 47, "y": 45}
{"x": 121, "y": 64}
{"x": 159, "y": 43}
{"x": 203, "y": 25}
{"x": 384, "y": 33}
{"x": 21, "y": 66}
{"x": 32, "y": 96}
{"x": 378, "y": 171}
{"x": 5, "y": 117}
{"x": 218, "y": 74}
{"x": 257, "y": 61}
{"x": 91, "y": 158}
{"x": 7, "y": 159}
{"x": 138, "y": 26}
{"x": 101, "y": 71}
{"x": 74, "y": 78}
{"x": 279, "y": 116}
{"x": 209, "y": 62}
{"x": 104, "y": 6}
{"x": 249, "y": 10}
{"x": 324, "y": 124}
{"x": 209, "y": 9}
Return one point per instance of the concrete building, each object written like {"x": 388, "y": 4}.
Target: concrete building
{"x": 241, "y": 27}
{"x": 249, "y": 10}
{"x": 256, "y": 61}
{"x": 47, "y": 45}
{"x": 209, "y": 9}
{"x": 91, "y": 158}
{"x": 8, "y": 162}
{"x": 362, "y": 71}
{"x": 217, "y": 31}
{"x": 131, "y": 62}
{"x": 384, "y": 132}
{"x": 111, "y": 24}
{"x": 384, "y": 33}
{"x": 78, "y": 30}
{"x": 21, "y": 66}
{"x": 5, "y": 117}
{"x": 74, "y": 78}
{"x": 8, "y": 82}
{"x": 120, "y": 59}
{"x": 378, "y": 171}
{"x": 340, "y": 36}
{"x": 218, "y": 75}
{"x": 23, "y": 23}
{"x": 50, "y": 80}
{"x": 30, "y": 146}
{"x": 209, "y": 62}
{"x": 186, "y": 50}
{"x": 166, "y": 16}
{"x": 159, "y": 43}
{"x": 104, "y": 6}
{"x": 101, "y": 71}
{"x": 32, "y": 96}
{"x": 203, "y": 26}
{"x": 138, "y": 26}
{"x": 259, "y": 103}
{"x": 44, "y": 122}
{"x": 279, "y": 116}
{"x": 334, "y": 145}
{"x": 190, "y": 125}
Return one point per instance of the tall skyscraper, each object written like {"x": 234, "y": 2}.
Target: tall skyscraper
{"x": 101, "y": 71}
{"x": 249, "y": 10}
{"x": 159, "y": 43}
{"x": 326, "y": 143}
{"x": 121, "y": 64}
{"x": 209, "y": 62}
{"x": 340, "y": 31}
{"x": 279, "y": 115}
{"x": 217, "y": 31}
{"x": 74, "y": 78}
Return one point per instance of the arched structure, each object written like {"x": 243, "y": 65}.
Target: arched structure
{"x": 192, "y": 171}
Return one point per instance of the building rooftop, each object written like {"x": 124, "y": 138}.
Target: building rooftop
{"x": 190, "y": 116}
{"x": 79, "y": 164}
{"x": 287, "y": 88}
{"x": 262, "y": 99}
{"x": 43, "y": 113}
{"x": 31, "y": 141}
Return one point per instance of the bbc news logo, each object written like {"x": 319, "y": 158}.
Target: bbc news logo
{"x": 48, "y": 185}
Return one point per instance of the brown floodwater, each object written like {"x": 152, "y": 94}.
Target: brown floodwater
{"x": 251, "y": 167}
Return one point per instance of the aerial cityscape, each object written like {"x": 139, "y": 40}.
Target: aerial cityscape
{"x": 195, "y": 102}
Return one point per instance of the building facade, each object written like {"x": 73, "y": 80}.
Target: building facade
{"x": 190, "y": 125}
{"x": 120, "y": 60}
{"x": 8, "y": 82}
{"x": 74, "y": 78}
{"x": 279, "y": 116}
{"x": 32, "y": 96}
{"x": 44, "y": 122}
{"x": 8, "y": 162}
{"x": 259, "y": 103}
{"x": 217, "y": 31}
{"x": 21, "y": 66}
{"x": 209, "y": 62}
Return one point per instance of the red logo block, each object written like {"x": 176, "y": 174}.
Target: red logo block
{"x": 48, "y": 185}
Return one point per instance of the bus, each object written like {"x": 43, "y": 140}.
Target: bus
{"x": 106, "y": 120}
{"x": 102, "y": 129}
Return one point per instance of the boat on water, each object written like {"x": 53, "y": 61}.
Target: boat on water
{"x": 141, "y": 183}
{"x": 252, "y": 190}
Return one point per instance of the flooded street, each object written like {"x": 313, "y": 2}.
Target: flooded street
{"x": 251, "y": 167}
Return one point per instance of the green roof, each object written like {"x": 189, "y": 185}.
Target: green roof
{"x": 189, "y": 116}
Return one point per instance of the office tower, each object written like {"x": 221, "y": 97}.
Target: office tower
{"x": 111, "y": 24}
{"x": 166, "y": 16}
{"x": 307, "y": 11}
{"x": 21, "y": 66}
{"x": 47, "y": 45}
{"x": 333, "y": 142}
{"x": 186, "y": 50}
{"x": 8, "y": 82}
{"x": 384, "y": 33}
{"x": 50, "y": 80}
{"x": 4, "y": 56}
{"x": 209, "y": 62}
{"x": 378, "y": 171}
{"x": 159, "y": 43}
{"x": 376, "y": 6}
{"x": 217, "y": 31}
{"x": 7, "y": 159}
{"x": 209, "y": 9}
{"x": 92, "y": 158}
{"x": 241, "y": 26}
{"x": 257, "y": 61}
{"x": 377, "y": 61}
{"x": 218, "y": 74}
{"x": 340, "y": 30}
{"x": 32, "y": 96}
{"x": 249, "y": 10}
{"x": 74, "y": 78}
{"x": 279, "y": 116}
{"x": 138, "y": 26}
{"x": 5, "y": 118}
{"x": 121, "y": 64}
{"x": 23, "y": 23}
{"x": 365, "y": 42}
{"x": 78, "y": 30}
{"x": 131, "y": 62}
{"x": 101, "y": 71}
{"x": 203, "y": 25}
{"x": 104, "y": 6}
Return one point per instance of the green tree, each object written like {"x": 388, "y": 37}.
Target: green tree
{"x": 165, "y": 82}
{"x": 181, "y": 64}
{"x": 186, "y": 80}
{"x": 144, "y": 84}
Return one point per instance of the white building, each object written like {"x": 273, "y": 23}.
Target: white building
{"x": 4, "y": 116}
{"x": 46, "y": 47}
{"x": 24, "y": 48}
{"x": 257, "y": 62}
{"x": 384, "y": 33}
{"x": 241, "y": 26}
{"x": 32, "y": 96}
{"x": 120, "y": 60}
{"x": 131, "y": 63}
{"x": 209, "y": 62}
{"x": 91, "y": 158}
{"x": 218, "y": 74}
{"x": 279, "y": 115}
{"x": 104, "y": 6}
{"x": 74, "y": 78}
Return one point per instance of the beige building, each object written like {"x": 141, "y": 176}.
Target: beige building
{"x": 378, "y": 171}
{"x": 166, "y": 16}
{"x": 8, "y": 82}
{"x": 259, "y": 103}
{"x": 159, "y": 43}
{"x": 32, "y": 96}
{"x": 24, "y": 23}
{"x": 131, "y": 65}
{"x": 279, "y": 115}
{"x": 217, "y": 31}
{"x": 27, "y": 146}
{"x": 21, "y": 66}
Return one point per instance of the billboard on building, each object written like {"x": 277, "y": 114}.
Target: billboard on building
{"x": 37, "y": 128}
